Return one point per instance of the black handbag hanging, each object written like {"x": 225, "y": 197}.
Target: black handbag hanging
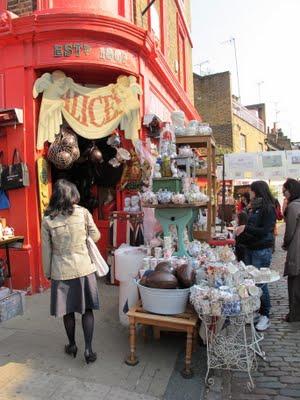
{"x": 16, "y": 175}
{"x": 1, "y": 165}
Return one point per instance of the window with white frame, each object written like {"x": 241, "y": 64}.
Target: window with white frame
{"x": 243, "y": 142}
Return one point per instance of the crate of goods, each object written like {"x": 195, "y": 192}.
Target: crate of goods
{"x": 172, "y": 184}
{"x": 12, "y": 305}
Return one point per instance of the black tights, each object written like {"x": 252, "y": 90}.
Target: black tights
{"x": 87, "y": 326}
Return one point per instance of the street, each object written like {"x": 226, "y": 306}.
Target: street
{"x": 34, "y": 366}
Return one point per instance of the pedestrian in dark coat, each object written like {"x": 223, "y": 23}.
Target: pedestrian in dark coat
{"x": 260, "y": 231}
{"x": 291, "y": 243}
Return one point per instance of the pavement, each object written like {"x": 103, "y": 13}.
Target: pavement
{"x": 33, "y": 365}
{"x": 277, "y": 378}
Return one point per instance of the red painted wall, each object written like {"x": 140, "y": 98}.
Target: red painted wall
{"x": 26, "y": 51}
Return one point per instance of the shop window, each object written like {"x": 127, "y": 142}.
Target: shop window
{"x": 155, "y": 22}
{"x": 243, "y": 142}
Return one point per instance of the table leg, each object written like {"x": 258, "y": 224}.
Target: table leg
{"x": 132, "y": 360}
{"x": 195, "y": 337}
{"x": 8, "y": 267}
{"x": 187, "y": 372}
{"x": 156, "y": 332}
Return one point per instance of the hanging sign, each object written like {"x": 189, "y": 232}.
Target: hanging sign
{"x": 272, "y": 164}
{"x": 293, "y": 163}
{"x": 91, "y": 112}
{"x": 240, "y": 165}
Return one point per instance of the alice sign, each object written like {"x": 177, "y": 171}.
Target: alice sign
{"x": 91, "y": 112}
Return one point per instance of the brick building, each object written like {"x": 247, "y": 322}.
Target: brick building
{"x": 92, "y": 42}
{"x": 277, "y": 140}
{"x": 236, "y": 127}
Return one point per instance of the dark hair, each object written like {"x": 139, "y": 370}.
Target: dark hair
{"x": 246, "y": 195}
{"x": 242, "y": 218}
{"x": 262, "y": 190}
{"x": 64, "y": 196}
{"x": 293, "y": 187}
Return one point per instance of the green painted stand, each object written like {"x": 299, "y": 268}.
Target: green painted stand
{"x": 175, "y": 216}
{"x": 191, "y": 223}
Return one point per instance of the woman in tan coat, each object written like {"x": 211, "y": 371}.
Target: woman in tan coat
{"x": 67, "y": 263}
{"x": 291, "y": 243}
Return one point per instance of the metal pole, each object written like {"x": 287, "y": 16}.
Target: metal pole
{"x": 147, "y": 8}
{"x": 223, "y": 196}
{"x": 237, "y": 69}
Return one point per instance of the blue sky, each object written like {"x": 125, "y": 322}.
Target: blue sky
{"x": 267, "y": 34}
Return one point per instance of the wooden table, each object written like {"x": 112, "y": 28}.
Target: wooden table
{"x": 186, "y": 322}
{"x": 11, "y": 242}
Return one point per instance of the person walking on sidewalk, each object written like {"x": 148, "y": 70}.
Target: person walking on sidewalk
{"x": 291, "y": 243}
{"x": 260, "y": 228}
{"x": 67, "y": 263}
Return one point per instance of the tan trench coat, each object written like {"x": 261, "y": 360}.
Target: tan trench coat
{"x": 64, "y": 250}
{"x": 291, "y": 240}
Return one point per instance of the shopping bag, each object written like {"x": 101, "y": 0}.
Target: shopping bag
{"x": 16, "y": 175}
{"x": 4, "y": 202}
{"x": 96, "y": 258}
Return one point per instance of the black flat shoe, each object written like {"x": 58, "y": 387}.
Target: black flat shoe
{"x": 90, "y": 357}
{"x": 71, "y": 349}
{"x": 287, "y": 318}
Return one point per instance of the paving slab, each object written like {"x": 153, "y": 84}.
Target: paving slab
{"x": 33, "y": 363}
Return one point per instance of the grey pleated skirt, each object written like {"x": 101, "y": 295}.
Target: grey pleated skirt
{"x": 74, "y": 295}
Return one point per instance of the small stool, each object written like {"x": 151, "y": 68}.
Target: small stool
{"x": 186, "y": 322}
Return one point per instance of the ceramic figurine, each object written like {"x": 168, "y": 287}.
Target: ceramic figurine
{"x": 173, "y": 150}
{"x": 157, "y": 173}
{"x": 127, "y": 204}
{"x": 146, "y": 173}
{"x": 174, "y": 170}
{"x": 177, "y": 118}
{"x": 166, "y": 167}
{"x": 135, "y": 204}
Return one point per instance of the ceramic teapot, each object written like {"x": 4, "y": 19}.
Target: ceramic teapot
{"x": 164, "y": 196}
{"x": 149, "y": 198}
{"x": 178, "y": 198}
{"x": 194, "y": 248}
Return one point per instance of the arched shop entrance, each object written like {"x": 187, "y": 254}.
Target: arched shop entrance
{"x": 93, "y": 50}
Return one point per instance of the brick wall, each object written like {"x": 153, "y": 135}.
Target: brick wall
{"x": 21, "y": 7}
{"x": 212, "y": 99}
{"x": 171, "y": 52}
{"x": 138, "y": 7}
{"x": 255, "y": 139}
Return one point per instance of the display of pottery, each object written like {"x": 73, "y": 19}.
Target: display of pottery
{"x": 178, "y": 198}
{"x": 164, "y": 196}
{"x": 149, "y": 198}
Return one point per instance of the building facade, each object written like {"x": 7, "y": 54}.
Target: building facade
{"x": 235, "y": 127}
{"x": 92, "y": 42}
{"x": 277, "y": 140}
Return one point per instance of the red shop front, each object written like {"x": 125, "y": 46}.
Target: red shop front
{"x": 93, "y": 48}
